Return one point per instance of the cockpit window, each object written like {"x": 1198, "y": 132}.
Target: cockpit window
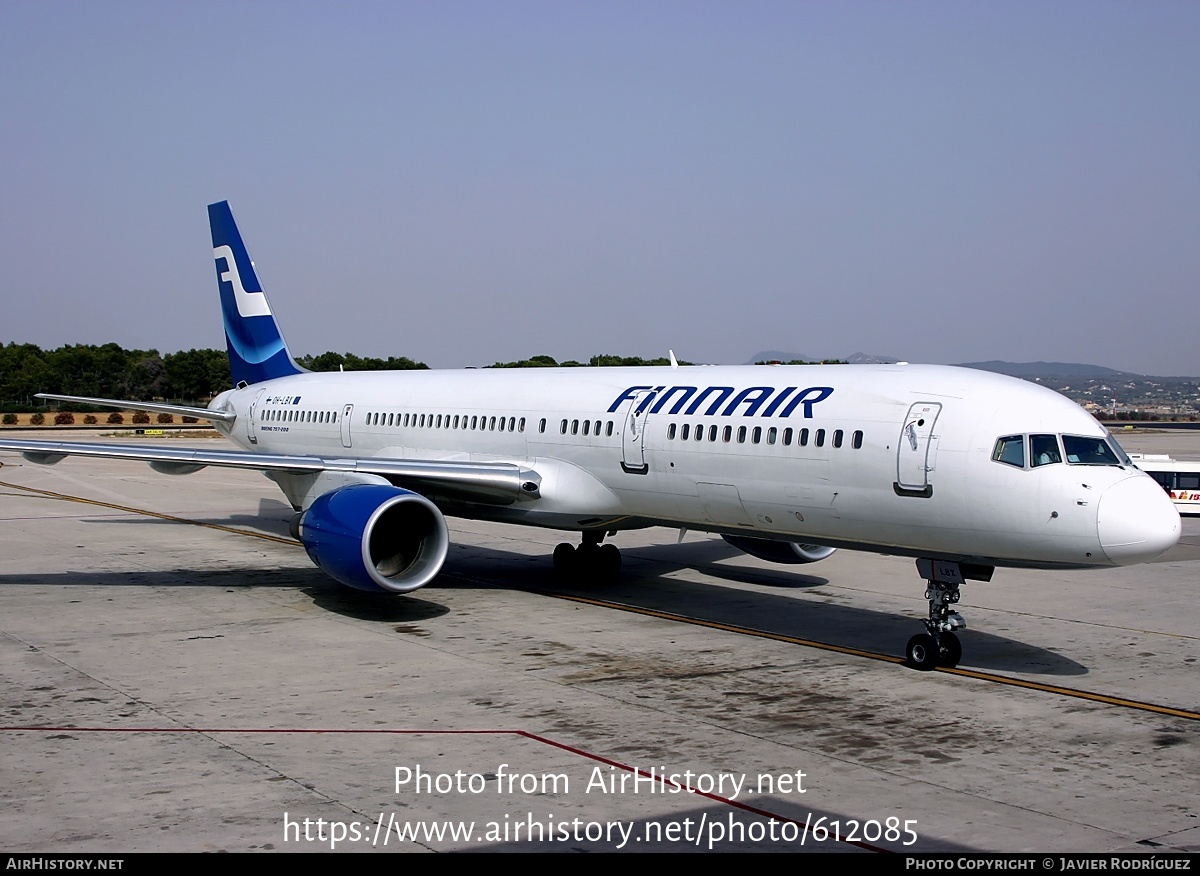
{"x": 1043, "y": 450}
{"x": 1122, "y": 456}
{"x": 1010, "y": 450}
{"x": 1088, "y": 451}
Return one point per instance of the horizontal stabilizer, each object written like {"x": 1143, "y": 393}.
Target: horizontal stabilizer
{"x": 152, "y": 407}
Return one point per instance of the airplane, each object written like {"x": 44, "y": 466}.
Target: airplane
{"x": 963, "y": 470}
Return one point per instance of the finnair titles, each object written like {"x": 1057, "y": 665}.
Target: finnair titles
{"x": 753, "y": 398}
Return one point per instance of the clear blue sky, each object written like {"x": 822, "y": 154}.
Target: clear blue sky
{"x": 465, "y": 182}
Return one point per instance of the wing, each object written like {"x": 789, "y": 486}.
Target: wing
{"x": 489, "y": 482}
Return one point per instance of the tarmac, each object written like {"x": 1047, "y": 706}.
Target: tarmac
{"x": 175, "y": 675}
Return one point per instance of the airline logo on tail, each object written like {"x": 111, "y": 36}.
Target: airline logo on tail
{"x": 256, "y": 348}
{"x": 248, "y": 303}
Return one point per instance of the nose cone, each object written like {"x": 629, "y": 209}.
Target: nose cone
{"x": 1136, "y": 521}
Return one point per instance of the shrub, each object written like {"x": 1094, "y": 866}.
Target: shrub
{"x": 37, "y": 419}
{"x": 10, "y": 419}
{"x": 141, "y": 417}
{"x": 191, "y": 419}
{"x": 90, "y": 419}
{"x": 115, "y": 418}
{"x": 64, "y": 418}
{"x": 166, "y": 418}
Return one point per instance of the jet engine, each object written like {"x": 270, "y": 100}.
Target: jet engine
{"x": 376, "y": 537}
{"x": 779, "y": 551}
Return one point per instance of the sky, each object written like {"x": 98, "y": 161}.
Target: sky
{"x": 471, "y": 182}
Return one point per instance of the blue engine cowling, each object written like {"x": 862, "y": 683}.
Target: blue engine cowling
{"x": 376, "y": 537}
{"x": 779, "y": 551}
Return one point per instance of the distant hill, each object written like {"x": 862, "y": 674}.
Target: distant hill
{"x": 1092, "y": 385}
{"x": 1024, "y": 370}
{"x": 1032, "y": 370}
{"x": 854, "y": 359}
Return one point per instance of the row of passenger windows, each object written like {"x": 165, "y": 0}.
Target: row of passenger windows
{"x": 484, "y": 423}
{"x": 293, "y": 415}
{"x": 449, "y": 421}
{"x": 685, "y": 432}
{"x": 759, "y": 434}
{"x": 588, "y": 427}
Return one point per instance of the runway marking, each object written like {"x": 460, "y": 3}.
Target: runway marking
{"x": 524, "y": 734}
{"x": 993, "y": 678}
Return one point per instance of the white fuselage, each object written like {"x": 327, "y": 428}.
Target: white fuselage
{"x": 893, "y": 458}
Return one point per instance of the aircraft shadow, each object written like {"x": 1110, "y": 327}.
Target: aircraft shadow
{"x": 789, "y": 603}
{"x": 312, "y": 582}
{"x": 804, "y": 614}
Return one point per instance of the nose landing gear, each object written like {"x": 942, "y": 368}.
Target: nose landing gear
{"x": 939, "y": 646}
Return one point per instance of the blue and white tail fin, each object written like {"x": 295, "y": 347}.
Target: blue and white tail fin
{"x": 257, "y": 350}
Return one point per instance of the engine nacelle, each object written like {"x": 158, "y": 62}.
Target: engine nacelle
{"x": 376, "y": 537}
{"x": 779, "y": 551}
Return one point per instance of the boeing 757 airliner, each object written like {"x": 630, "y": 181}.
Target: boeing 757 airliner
{"x": 961, "y": 469}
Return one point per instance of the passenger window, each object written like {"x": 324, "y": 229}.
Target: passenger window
{"x": 787, "y": 437}
{"x": 728, "y": 434}
{"x": 712, "y": 433}
{"x": 756, "y": 435}
{"x": 683, "y": 433}
{"x": 771, "y": 433}
{"x": 1043, "y": 450}
{"x": 1010, "y": 450}
{"x": 542, "y": 425}
{"x": 609, "y": 430}
{"x": 858, "y": 436}
{"x": 802, "y": 441}
{"x": 820, "y": 442}
{"x": 671, "y": 432}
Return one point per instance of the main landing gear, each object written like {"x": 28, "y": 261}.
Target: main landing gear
{"x": 592, "y": 561}
{"x": 940, "y": 645}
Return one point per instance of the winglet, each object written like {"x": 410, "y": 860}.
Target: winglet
{"x": 257, "y": 350}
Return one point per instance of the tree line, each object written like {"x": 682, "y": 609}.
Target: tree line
{"x": 189, "y": 376}
{"x": 110, "y": 371}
